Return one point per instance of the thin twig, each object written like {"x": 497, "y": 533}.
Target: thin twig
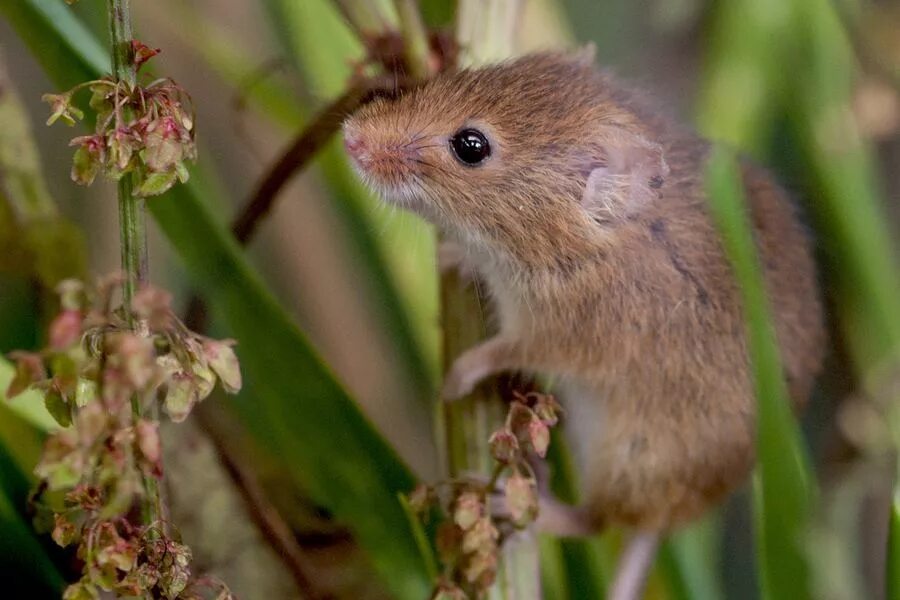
{"x": 132, "y": 224}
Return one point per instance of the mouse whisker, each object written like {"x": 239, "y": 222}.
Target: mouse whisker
{"x": 415, "y": 139}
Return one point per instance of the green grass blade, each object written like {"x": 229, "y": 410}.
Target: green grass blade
{"x": 25, "y": 566}
{"x": 745, "y": 79}
{"x": 56, "y": 37}
{"x": 849, "y": 209}
{"x": 26, "y": 571}
{"x": 892, "y": 572}
{"x": 313, "y": 425}
{"x": 782, "y": 480}
{"x": 688, "y": 563}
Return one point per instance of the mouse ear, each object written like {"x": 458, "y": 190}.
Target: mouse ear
{"x": 626, "y": 177}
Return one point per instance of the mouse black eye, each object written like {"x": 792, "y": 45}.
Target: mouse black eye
{"x": 470, "y": 146}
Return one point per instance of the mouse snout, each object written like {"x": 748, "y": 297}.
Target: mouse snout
{"x": 380, "y": 155}
{"x": 354, "y": 144}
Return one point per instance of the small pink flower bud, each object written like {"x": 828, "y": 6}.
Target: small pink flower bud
{"x": 65, "y": 329}
{"x": 447, "y": 541}
{"x": 61, "y": 108}
{"x": 154, "y": 305}
{"x": 504, "y": 445}
{"x": 469, "y": 508}
{"x": 481, "y": 569}
{"x": 448, "y": 591}
{"x": 148, "y": 441}
{"x": 521, "y": 498}
{"x": 526, "y": 425}
{"x": 539, "y": 437}
{"x": 224, "y": 362}
{"x": 135, "y": 356}
{"x": 142, "y": 53}
{"x": 29, "y": 370}
{"x": 88, "y": 159}
{"x": 547, "y": 409}
{"x": 482, "y": 536}
{"x": 181, "y": 395}
{"x": 64, "y": 531}
{"x": 163, "y": 146}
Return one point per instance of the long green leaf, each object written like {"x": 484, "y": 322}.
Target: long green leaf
{"x": 849, "y": 208}
{"x": 892, "y": 572}
{"x": 24, "y": 564}
{"x": 328, "y": 445}
{"x": 745, "y": 79}
{"x": 688, "y": 564}
{"x": 782, "y": 481}
{"x": 850, "y": 213}
{"x": 58, "y": 39}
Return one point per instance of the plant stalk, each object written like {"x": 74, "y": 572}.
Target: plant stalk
{"x": 132, "y": 225}
{"x": 485, "y": 32}
{"x": 416, "y": 37}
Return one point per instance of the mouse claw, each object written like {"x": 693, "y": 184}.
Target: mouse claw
{"x": 475, "y": 364}
{"x": 457, "y": 384}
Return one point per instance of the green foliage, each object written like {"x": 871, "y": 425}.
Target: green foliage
{"x": 782, "y": 488}
{"x": 24, "y": 562}
{"x": 892, "y": 575}
{"x": 775, "y": 72}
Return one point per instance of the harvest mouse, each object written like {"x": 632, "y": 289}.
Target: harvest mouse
{"x": 584, "y": 211}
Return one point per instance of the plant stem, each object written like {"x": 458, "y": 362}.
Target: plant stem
{"x": 132, "y": 223}
{"x": 485, "y": 32}
{"x": 133, "y": 232}
{"x": 416, "y": 38}
{"x": 363, "y": 16}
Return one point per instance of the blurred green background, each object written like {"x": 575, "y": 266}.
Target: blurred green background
{"x": 289, "y": 491}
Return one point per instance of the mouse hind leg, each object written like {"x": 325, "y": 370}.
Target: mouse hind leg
{"x": 564, "y": 520}
{"x": 634, "y": 567}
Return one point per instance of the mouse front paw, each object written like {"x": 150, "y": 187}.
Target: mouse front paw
{"x": 475, "y": 364}
{"x": 459, "y": 382}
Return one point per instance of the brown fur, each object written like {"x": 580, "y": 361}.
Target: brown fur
{"x": 636, "y": 316}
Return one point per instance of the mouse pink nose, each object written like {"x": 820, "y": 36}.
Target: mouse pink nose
{"x": 355, "y": 145}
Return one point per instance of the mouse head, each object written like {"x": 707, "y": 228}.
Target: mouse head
{"x": 532, "y": 147}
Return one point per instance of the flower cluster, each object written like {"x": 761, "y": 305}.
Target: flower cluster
{"x": 474, "y": 525}
{"x": 143, "y": 130}
{"x": 99, "y": 378}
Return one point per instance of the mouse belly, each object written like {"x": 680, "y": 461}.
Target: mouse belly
{"x": 652, "y": 471}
